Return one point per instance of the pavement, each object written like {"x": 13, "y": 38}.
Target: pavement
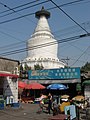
{"x": 27, "y": 111}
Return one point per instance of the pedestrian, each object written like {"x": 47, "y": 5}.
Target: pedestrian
{"x": 41, "y": 104}
{"x": 49, "y": 103}
{"x": 55, "y": 107}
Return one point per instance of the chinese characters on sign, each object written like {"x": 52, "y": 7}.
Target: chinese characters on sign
{"x": 52, "y": 74}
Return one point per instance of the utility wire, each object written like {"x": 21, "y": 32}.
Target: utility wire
{"x": 15, "y": 11}
{"x": 34, "y": 13}
{"x": 33, "y": 2}
{"x": 62, "y": 5}
{"x": 73, "y": 28}
{"x": 69, "y": 3}
{"x": 17, "y": 6}
{"x": 69, "y": 16}
{"x": 24, "y": 41}
{"x": 10, "y": 36}
{"x": 23, "y": 15}
{"x": 66, "y": 4}
{"x": 80, "y": 56}
{"x": 24, "y": 8}
{"x": 6, "y": 6}
{"x": 16, "y": 18}
{"x": 44, "y": 45}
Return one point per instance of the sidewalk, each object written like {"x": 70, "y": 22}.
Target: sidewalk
{"x": 25, "y": 112}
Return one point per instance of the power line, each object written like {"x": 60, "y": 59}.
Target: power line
{"x": 66, "y": 60}
{"x": 69, "y": 16}
{"x": 68, "y": 3}
{"x": 30, "y": 3}
{"x": 44, "y": 45}
{"x": 15, "y": 44}
{"x": 10, "y": 36}
{"x": 34, "y": 13}
{"x": 6, "y": 6}
{"x": 24, "y": 8}
{"x": 23, "y": 15}
{"x": 35, "y": 5}
{"x": 73, "y": 28}
{"x": 81, "y": 55}
{"x": 16, "y": 18}
{"x": 17, "y": 6}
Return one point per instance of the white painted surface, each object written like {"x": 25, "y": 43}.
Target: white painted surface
{"x": 12, "y": 89}
{"x": 42, "y": 47}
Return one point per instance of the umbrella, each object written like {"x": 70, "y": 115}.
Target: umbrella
{"x": 22, "y": 84}
{"x": 35, "y": 85}
{"x": 56, "y": 87}
{"x": 86, "y": 82}
{"x": 78, "y": 98}
{"x": 65, "y": 96}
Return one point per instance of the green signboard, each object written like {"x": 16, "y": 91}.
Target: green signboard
{"x": 52, "y": 74}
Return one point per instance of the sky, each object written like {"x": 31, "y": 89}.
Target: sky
{"x": 68, "y": 19}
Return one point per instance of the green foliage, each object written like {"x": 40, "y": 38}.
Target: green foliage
{"x": 26, "y": 67}
{"x": 86, "y": 67}
{"x": 21, "y": 67}
{"x": 78, "y": 87}
{"x": 38, "y": 67}
{"x": 24, "y": 71}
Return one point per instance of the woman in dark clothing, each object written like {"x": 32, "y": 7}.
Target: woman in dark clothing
{"x": 49, "y": 102}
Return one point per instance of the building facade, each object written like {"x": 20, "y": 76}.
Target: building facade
{"x": 9, "y": 79}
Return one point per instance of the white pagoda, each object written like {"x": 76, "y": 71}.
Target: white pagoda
{"x": 42, "y": 47}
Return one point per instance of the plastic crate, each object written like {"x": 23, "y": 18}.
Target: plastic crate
{"x": 16, "y": 105}
{"x": 1, "y": 106}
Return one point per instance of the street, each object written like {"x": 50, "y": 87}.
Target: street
{"x": 25, "y": 112}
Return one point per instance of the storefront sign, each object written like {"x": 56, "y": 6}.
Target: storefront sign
{"x": 52, "y": 74}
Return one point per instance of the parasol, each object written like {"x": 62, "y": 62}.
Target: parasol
{"x": 79, "y": 98}
{"x": 35, "y": 86}
{"x": 57, "y": 86}
{"x": 65, "y": 96}
{"x": 21, "y": 84}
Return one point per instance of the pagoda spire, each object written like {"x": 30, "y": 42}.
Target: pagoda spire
{"x": 42, "y": 28}
{"x": 42, "y": 12}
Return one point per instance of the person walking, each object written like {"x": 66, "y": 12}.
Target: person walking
{"x": 55, "y": 107}
{"x": 49, "y": 103}
{"x": 41, "y": 104}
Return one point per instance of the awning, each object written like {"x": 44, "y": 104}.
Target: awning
{"x": 86, "y": 82}
{"x": 22, "y": 84}
{"x": 8, "y": 74}
{"x": 58, "y": 81}
{"x": 35, "y": 86}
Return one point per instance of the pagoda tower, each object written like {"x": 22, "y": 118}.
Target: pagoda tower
{"x": 42, "y": 47}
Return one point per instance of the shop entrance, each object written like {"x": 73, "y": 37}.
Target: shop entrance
{"x": 1, "y": 85}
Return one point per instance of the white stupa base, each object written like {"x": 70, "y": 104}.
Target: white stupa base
{"x": 46, "y": 63}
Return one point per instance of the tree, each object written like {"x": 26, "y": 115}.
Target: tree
{"x": 26, "y": 67}
{"x": 86, "y": 67}
{"x": 38, "y": 67}
{"x": 21, "y": 67}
